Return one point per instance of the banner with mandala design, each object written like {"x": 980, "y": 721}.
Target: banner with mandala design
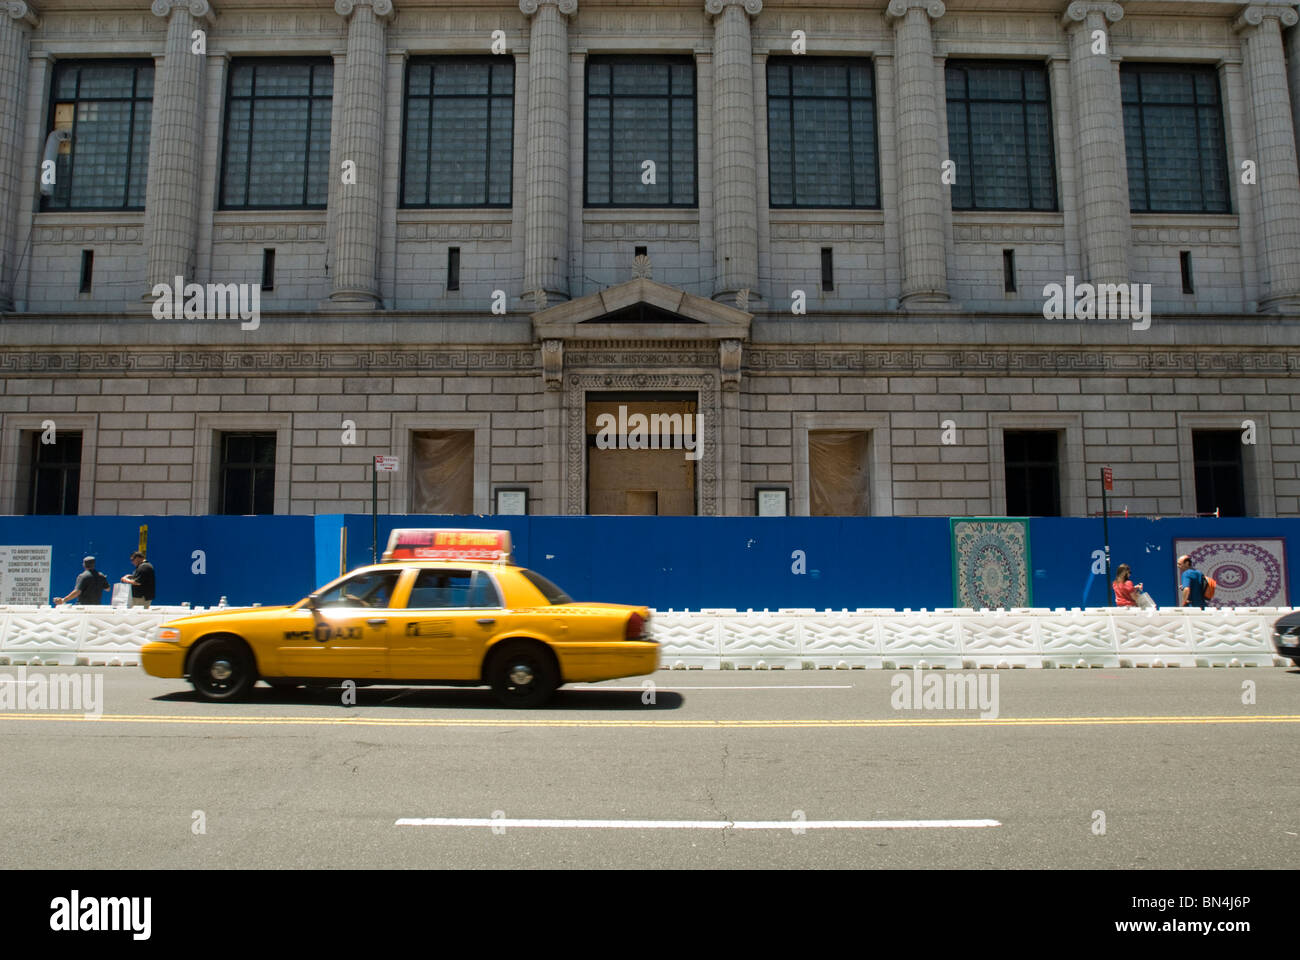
{"x": 1250, "y": 571}
{"x": 990, "y": 563}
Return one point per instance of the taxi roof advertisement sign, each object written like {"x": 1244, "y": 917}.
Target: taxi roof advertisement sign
{"x": 409, "y": 543}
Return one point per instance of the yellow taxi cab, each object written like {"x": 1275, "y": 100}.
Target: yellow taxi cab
{"x": 446, "y": 607}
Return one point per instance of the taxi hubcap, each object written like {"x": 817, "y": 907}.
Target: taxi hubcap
{"x": 521, "y": 674}
{"x": 221, "y": 670}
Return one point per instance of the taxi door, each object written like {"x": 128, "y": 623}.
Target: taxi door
{"x": 441, "y": 635}
{"x": 346, "y": 637}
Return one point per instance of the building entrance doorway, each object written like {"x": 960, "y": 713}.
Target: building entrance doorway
{"x": 642, "y": 450}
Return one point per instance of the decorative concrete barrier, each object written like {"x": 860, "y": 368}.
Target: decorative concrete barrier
{"x": 788, "y": 639}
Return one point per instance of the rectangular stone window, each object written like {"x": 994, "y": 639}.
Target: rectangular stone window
{"x": 1174, "y": 139}
{"x": 246, "y": 473}
{"x": 50, "y": 473}
{"x": 277, "y": 142}
{"x": 106, "y": 107}
{"x": 1000, "y": 136}
{"x": 1220, "y": 472}
{"x": 821, "y": 140}
{"x": 1032, "y": 461}
{"x": 458, "y": 132}
{"x": 640, "y": 132}
{"x": 838, "y": 474}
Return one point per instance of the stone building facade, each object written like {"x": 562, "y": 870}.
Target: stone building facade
{"x": 865, "y": 334}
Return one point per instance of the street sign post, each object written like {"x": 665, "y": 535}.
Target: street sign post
{"x": 1106, "y": 484}
{"x": 387, "y": 465}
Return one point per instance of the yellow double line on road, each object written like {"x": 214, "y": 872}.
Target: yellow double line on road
{"x": 371, "y": 721}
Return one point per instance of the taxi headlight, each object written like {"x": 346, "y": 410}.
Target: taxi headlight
{"x": 168, "y": 635}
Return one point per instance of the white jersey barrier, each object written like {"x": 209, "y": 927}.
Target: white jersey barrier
{"x": 787, "y": 639}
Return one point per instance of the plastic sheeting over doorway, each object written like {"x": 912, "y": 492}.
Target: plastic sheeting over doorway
{"x": 837, "y": 473}
{"x": 442, "y": 471}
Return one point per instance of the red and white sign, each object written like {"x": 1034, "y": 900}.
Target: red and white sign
{"x": 386, "y": 464}
{"x": 411, "y": 543}
{"x": 1106, "y": 478}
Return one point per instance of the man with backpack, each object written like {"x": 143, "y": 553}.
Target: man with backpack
{"x": 90, "y": 586}
{"x": 1194, "y": 587}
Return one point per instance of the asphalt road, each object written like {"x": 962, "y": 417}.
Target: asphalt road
{"x": 1172, "y": 759}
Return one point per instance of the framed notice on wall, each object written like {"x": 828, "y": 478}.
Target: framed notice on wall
{"x": 772, "y": 501}
{"x": 25, "y": 575}
{"x": 512, "y": 502}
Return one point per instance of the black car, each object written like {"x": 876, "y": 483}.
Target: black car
{"x": 1286, "y": 637}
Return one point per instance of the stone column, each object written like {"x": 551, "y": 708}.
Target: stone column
{"x": 1104, "y": 220}
{"x": 920, "y": 191}
{"x": 360, "y": 141}
{"x": 735, "y": 184}
{"x": 546, "y": 170}
{"x": 1260, "y": 27}
{"x": 175, "y": 145}
{"x": 16, "y": 20}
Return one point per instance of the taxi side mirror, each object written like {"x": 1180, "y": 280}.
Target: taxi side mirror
{"x": 313, "y": 601}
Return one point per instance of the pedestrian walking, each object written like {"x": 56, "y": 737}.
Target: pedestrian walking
{"x": 89, "y": 588}
{"x": 141, "y": 581}
{"x": 1192, "y": 584}
{"x": 1126, "y": 591}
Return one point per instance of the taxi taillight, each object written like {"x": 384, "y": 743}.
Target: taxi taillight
{"x": 635, "y": 626}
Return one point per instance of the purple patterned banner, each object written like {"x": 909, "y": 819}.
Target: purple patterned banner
{"x": 1250, "y": 572}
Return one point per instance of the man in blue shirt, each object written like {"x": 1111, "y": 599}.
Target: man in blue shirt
{"x": 1191, "y": 589}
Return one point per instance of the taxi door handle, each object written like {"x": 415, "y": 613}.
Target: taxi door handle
{"x": 376, "y": 622}
{"x": 485, "y": 621}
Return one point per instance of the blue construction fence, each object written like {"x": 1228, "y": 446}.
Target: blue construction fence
{"x": 663, "y": 562}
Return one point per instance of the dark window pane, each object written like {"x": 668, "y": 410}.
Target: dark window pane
{"x": 459, "y": 133}
{"x": 247, "y": 477}
{"x": 1174, "y": 139}
{"x": 1032, "y": 468}
{"x": 105, "y": 108}
{"x": 645, "y": 112}
{"x": 55, "y": 476}
{"x": 106, "y": 81}
{"x": 1000, "y": 137}
{"x": 417, "y": 79}
{"x": 1220, "y": 472}
{"x": 453, "y": 78}
{"x": 821, "y": 133}
{"x": 277, "y": 135}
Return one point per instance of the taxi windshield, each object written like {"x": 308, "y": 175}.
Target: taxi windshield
{"x": 550, "y": 591}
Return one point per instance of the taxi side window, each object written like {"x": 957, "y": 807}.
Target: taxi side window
{"x": 373, "y": 589}
{"x": 451, "y": 589}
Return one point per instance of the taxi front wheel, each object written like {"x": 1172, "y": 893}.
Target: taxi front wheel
{"x": 222, "y": 669}
{"x": 523, "y": 675}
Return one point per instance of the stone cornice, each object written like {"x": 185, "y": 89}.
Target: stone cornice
{"x": 18, "y": 10}
{"x": 898, "y": 9}
{"x": 1077, "y": 12}
{"x": 714, "y": 8}
{"x": 199, "y": 9}
{"x": 1255, "y": 15}
{"x": 382, "y": 9}
{"x": 530, "y": 7}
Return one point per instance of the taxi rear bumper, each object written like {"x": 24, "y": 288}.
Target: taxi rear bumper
{"x": 590, "y": 662}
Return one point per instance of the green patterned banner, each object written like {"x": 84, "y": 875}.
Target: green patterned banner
{"x": 990, "y": 558}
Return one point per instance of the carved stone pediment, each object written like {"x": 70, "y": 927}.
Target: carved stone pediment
{"x": 641, "y": 309}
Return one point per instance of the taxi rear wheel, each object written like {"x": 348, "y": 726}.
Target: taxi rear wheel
{"x": 222, "y": 669}
{"x": 523, "y": 675}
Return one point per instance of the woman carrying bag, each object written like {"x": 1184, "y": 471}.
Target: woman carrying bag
{"x": 1128, "y": 593}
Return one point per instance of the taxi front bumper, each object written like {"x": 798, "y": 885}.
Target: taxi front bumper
{"x": 161, "y": 659}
